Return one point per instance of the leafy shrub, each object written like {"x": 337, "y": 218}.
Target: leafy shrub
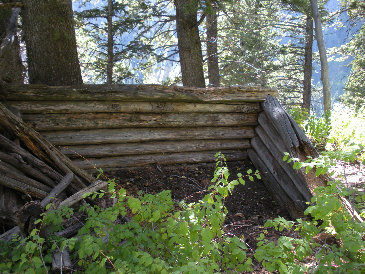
{"x": 346, "y": 253}
{"x": 318, "y": 130}
{"x": 300, "y": 115}
{"x": 160, "y": 236}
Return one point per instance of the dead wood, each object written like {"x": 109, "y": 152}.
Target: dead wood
{"x": 13, "y": 173}
{"x": 61, "y": 261}
{"x": 75, "y": 198}
{"x": 42, "y": 148}
{"x": 58, "y": 189}
{"x": 23, "y": 156}
{"x": 278, "y": 133}
{"x": 22, "y": 187}
{"x": 20, "y": 165}
{"x": 27, "y": 215}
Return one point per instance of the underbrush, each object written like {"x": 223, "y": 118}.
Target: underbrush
{"x": 152, "y": 233}
{"x": 340, "y": 135}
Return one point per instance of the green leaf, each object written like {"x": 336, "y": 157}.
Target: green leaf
{"x": 86, "y": 194}
{"x": 134, "y": 204}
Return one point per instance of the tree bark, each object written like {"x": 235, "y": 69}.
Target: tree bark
{"x": 189, "y": 44}
{"x": 11, "y": 66}
{"x": 307, "y": 89}
{"x": 51, "y": 44}
{"x": 109, "y": 70}
{"x": 212, "y": 48}
{"x": 323, "y": 58}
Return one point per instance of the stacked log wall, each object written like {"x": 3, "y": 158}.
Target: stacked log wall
{"x": 125, "y": 126}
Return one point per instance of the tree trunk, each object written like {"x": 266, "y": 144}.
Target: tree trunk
{"x": 51, "y": 44}
{"x": 307, "y": 89}
{"x": 323, "y": 57}
{"x": 109, "y": 73}
{"x": 212, "y": 49}
{"x": 189, "y": 44}
{"x": 11, "y": 66}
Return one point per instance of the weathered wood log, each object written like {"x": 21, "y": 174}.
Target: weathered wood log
{"x": 279, "y": 174}
{"x": 279, "y": 132}
{"x": 280, "y": 120}
{"x": 294, "y": 175}
{"x": 11, "y": 5}
{"x": 21, "y": 186}
{"x": 46, "y": 107}
{"x": 147, "y": 93}
{"x": 42, "y": 148}
{"x": 25, "y": 156}
{"x": 112, "y": 150}
{"x": 27, "y": 215}
{"x": 55, "y": 122}
{"x": 61, "y": 261}
{"x": 10, "y": 202}
{"x": 162, "y": 159}
{"x": 31, "y": 211}
{"x": 10, "y": 234}
{"x": 17, "y": 161}
{"x": 135, "y": 135}
{"x": 15, "y": 174}
{"x": 78, "y": 196}
{"x": 58, "y": 189}
{"x": 271, "y": 131}
{"x": 274, "y": 186}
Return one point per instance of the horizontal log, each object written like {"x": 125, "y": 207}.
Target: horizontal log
{"x": 110, "y": 150}
{"x": 53, "y": 122}
{"x": 134, "y": 93}
{"x": 162, "y": 159}
{"x": 133, "y": 135}
{"x": 10, "y": 234}
{"x": 27, "y": 107}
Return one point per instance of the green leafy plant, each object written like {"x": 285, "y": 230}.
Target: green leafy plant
{"x": 341, "y": 250}
{"x": 146, "y": 233}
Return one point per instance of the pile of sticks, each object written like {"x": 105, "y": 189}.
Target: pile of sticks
{"x": 33, "y": 169}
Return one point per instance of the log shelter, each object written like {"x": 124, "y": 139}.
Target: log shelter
{"x": 123, "y": 126}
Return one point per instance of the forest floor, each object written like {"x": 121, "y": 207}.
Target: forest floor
{"x": 249, "y": 206}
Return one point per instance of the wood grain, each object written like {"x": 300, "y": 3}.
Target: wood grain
{"x": 133, "y": 135}
{"x": 54, "y": 122}
{"x": 44, "y": 107}
{"x": 147, "y": 93}
{"x": 111, "y": 150}
{"x": 162, "y": 159}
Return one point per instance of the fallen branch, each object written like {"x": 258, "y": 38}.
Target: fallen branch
{"x": 58, "y": 189}
{"x": 70, "y": 201}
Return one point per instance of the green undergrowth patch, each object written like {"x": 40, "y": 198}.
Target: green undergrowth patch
{"x": 151, "y": 233}
{"x": 142, "y": 234}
